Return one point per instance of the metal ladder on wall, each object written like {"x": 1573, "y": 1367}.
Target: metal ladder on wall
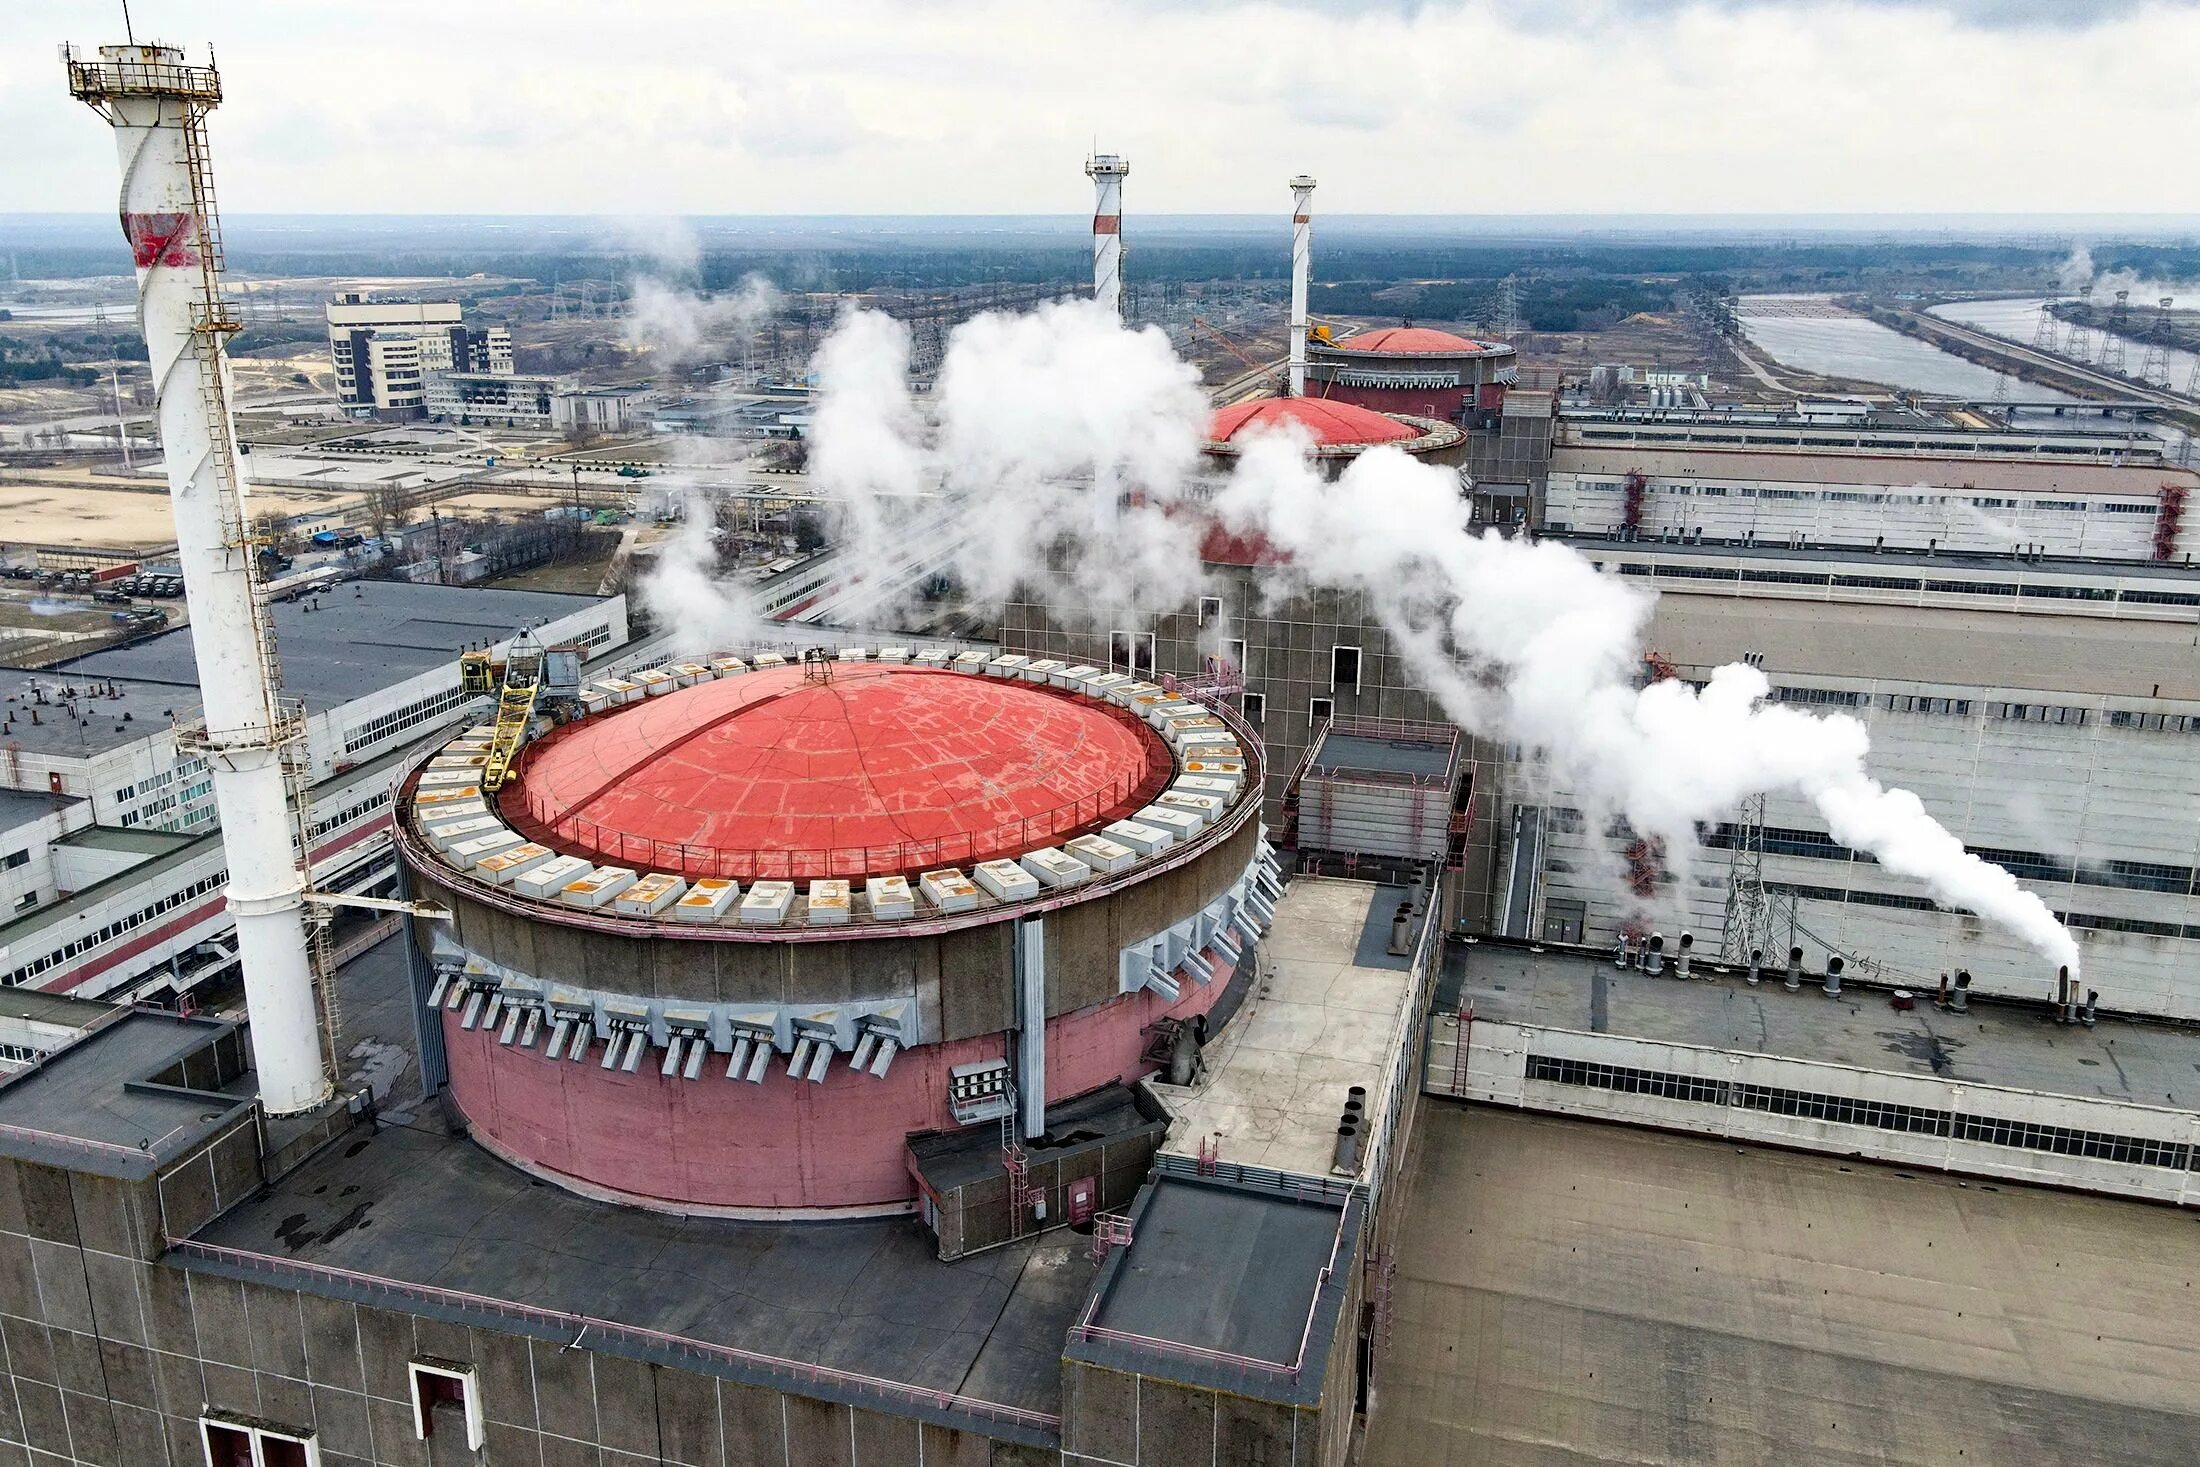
{"x": 212, "y": 321}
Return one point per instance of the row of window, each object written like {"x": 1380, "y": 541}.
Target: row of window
{"x": 2029, "y": 590}
{"x": 1879, "y": 1115}
{"x": 1850, "y": 496}
{"x": 2158, "y": 876}
{"x": 375, "y": 730}
{"x": 354, "y": 811}
{"x": 79, "y": 946}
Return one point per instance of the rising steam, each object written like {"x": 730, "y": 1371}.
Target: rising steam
{"x": 1066, "y": 451}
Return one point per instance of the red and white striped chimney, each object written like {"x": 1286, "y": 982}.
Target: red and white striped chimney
{"x": 1302, "y": 263}
{"x": 1107, "y": 172}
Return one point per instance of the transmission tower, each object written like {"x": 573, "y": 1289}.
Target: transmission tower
{"x": 2112, "y": 335}
{"x": 2047, "y": 328}
{"x": 1748, "y": 910}
{"x": 1508, "y": 310}
{"x": 2154, "y": 362}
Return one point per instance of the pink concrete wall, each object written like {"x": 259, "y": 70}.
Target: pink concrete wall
{"x": 718, "y": 1143}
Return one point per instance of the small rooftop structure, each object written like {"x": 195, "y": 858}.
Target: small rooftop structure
{"x": 1378, "y": 788}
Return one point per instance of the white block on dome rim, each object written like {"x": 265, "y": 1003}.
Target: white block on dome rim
{"x": 1055, "y": 868}
{"x": 1222, "y": 786}
{"x": 1101, "y": 853}
{"x": 769, "y": 659}
{"x": 708, "y": 899}
{"x": 767, "y": 903}
{"x": 889, "y": 898}
{"x": 450, "y": 833}
{"x": 1008, "y": 664}
{"x": 829, "y": 903}
{"x": 469, "y": 853}
{"x": 651, "y": 894}
{"x": 1147, "y": 840}
{"x": 1208, "y": 808}
{"x": 548, "y": 879}
{"x": 948, "y": 889}
{"x": 1042, "y": 671}
{"x": 1006, "y": 880}
{"x": 507, "y": 865}
{"x": 599, "y": 888}
{"x": 1181, "y": 825}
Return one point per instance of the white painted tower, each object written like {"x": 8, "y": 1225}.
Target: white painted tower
{"x": 1302, "y": 264}
{"x": 157, "y": 105}
{"x": 1107, "y": 172}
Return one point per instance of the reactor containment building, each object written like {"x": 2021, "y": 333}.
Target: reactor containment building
{"x": 725, "y": 939}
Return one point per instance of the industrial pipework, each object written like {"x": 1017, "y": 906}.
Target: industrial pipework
{"x": 157, "y": 106}
{"x": 1107, "y": 172}
{"x": 1302, "y": 261}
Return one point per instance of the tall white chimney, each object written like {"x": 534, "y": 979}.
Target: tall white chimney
{"x": 157, "y": 106}
{"x": 1107, "y": 172}
{"x": 1302, "y": 262}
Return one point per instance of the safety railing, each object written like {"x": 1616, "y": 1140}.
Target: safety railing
{"x": 777, "y": 1371}
{"x": 1237, "y": 1366}
{"x": 1121, "y": 796}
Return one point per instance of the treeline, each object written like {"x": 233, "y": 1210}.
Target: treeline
{"x": 876, "y": 263}
{"x": 57, "y": 358}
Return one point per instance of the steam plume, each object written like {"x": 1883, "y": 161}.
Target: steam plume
{"x": 1042, "y": 418}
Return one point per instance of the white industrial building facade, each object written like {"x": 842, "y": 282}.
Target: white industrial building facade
{"x": 2061, "y": 744}
{"x": 110, "y": 858}
{"x": 2056, "y": 507}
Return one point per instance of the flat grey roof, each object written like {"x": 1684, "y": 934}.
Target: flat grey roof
{"x": 19, "y": 808}
{"x": 1570, "y": 1292}
{"x": 81, "y": 716}
{"x": 1995, "y": 1044}
{"x": 52, "y": 1008}
{"x": 1344, "y": 752}
{"x": 1216, "y": 1267}
{"x": 86, "y": 1106}
{"x": 871, "y": 1297}
{"x": 1954, "y": 647}
{"x": 365, "y": 636}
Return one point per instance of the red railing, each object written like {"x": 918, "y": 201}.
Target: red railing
{"x": 779, "y": 1371}
{"x": 535, "y": 816}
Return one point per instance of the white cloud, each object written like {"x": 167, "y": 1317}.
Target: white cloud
{"x": 896, "y": 106}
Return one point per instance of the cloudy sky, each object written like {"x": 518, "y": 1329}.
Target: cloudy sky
{"x": 988, "y": 106}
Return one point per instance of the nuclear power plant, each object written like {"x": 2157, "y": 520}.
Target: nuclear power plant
{"x": 1163, "y": 1038}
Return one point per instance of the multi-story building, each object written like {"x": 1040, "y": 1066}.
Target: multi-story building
{"x": 384, "y": 351}
{"x": 111, "y": 859}
{"x": 2044, "y": 713}
{"x": 507, "y": 399}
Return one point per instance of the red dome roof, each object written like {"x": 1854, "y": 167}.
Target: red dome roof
{"x": 1332, "y": 424}
{"x": 1412, "y": 341}
{"x": 884, "y": 768}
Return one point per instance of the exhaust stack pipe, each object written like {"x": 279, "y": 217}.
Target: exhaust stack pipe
{"x": 1794, "y": 979}
{"x": 1959, "y": 1001}
{"x": 1688, "y": 941}
{"x": 1833, "y": 976}
{"x": 157, "y": 103}
{"x": 1302, "y": 264}
{"x": 1653, "y": 962}
{"x": 1756, "y": 966}
{"x": 1107, "y": 172}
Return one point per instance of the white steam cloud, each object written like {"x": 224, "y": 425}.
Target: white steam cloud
{"x": 679, "y": 327}
{"x": 1066, "y": 453}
